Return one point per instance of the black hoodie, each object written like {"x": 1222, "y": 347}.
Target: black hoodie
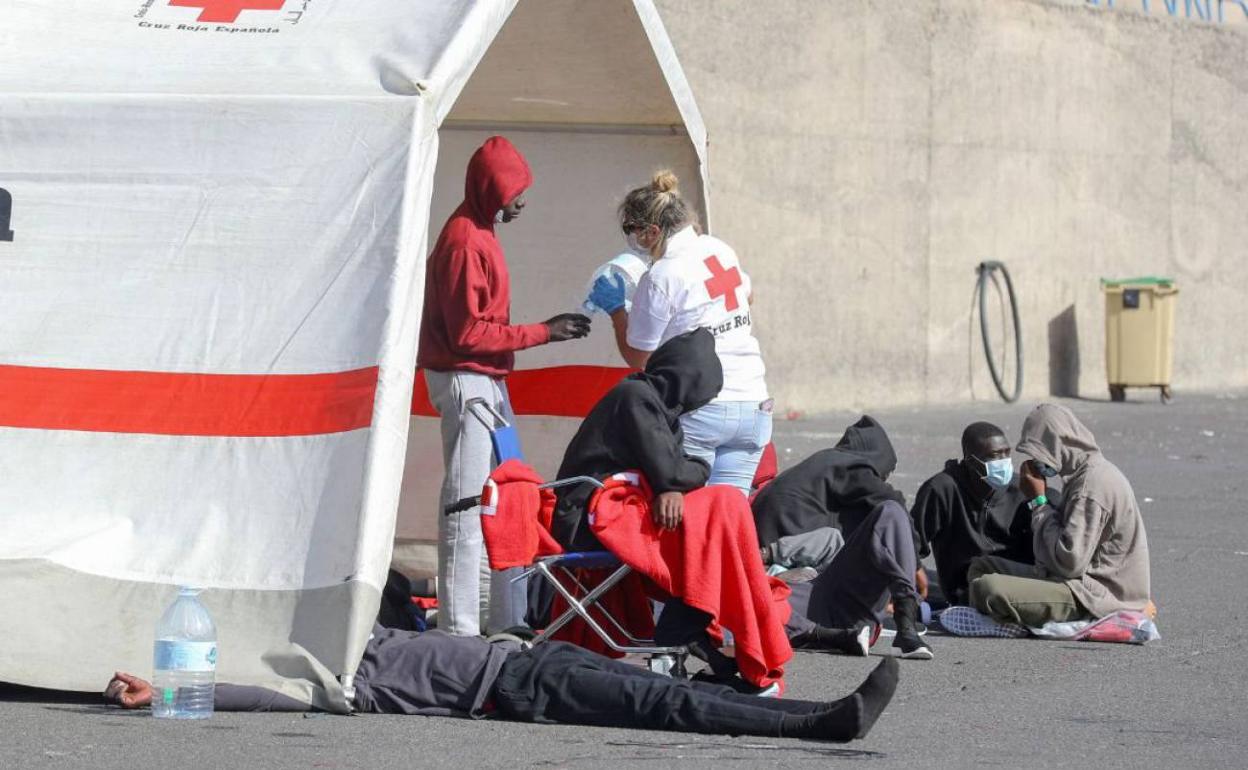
{"x": 957, "y": 517}
{"x": 636, "y": 426}
{"x": 837, "y": 487}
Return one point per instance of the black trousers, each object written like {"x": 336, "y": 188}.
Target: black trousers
{"x": 561, "y": 683}
{"x": 876, "y": 563}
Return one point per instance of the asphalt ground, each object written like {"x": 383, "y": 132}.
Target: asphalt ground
{"x": 1176, "y": 703}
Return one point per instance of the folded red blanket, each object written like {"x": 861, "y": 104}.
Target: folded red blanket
{"x": 515, "y": 517}
{"x": 711, "y": 562}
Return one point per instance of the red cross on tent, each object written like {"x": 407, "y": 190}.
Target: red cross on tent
{"x": 722, "y": 283}
{"x": 227, "y": 11}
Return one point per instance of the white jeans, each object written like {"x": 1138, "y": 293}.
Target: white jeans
{"x": 730, "y": 437}
{"x": 464, "y": 585}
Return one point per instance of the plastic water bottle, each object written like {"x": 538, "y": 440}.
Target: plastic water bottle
{"x": 185, "y": 660}
{"x": 629, "y": 266}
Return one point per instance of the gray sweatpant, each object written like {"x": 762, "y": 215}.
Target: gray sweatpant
{"x": 464, "y": 585}
{"x": 875, "y": 564}
{"x": 815, "y": 549}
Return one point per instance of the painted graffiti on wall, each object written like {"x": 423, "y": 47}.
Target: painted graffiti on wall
{"x": 1212, "y": 11}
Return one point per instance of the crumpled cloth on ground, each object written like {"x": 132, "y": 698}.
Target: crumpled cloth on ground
{"x": 1122, "y": 627}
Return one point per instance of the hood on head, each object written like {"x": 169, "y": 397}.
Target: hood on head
{"x": 1054, "y": 436}
{"x": 497, "y": 173}
{"x": 685, "y": 371}
{"x": 867, "y": 439}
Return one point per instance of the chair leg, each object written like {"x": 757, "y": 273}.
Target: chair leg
{"x": 618, "y": 627}
{"x": 579, "y": 607}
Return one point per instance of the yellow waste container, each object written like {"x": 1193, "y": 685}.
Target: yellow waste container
{"x": 1139, "y": 334}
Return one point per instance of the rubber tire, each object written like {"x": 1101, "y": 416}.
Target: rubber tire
{"x": 985, "y": 270}
{"x": 1117, "y": 393}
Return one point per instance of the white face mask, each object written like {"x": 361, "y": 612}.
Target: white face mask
{"x": 635, "y": 247}
{"x": 498, "y": 218}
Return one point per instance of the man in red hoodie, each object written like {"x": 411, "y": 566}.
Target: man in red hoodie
{"x": 467, "y": 348}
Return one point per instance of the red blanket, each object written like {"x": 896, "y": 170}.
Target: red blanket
{"x": 711, "y": 562}
{"x": 515, "y": 517}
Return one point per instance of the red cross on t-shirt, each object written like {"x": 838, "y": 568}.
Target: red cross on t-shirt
{"x": 227, "y": 11}
{"x": 722, "y": 283}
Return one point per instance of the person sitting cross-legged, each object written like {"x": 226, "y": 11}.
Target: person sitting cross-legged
{"x": 973, "y": 507}
{"x": 438, "y": 674}
{"x": 1091, "y": 553}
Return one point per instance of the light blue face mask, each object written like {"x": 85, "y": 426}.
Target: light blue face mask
{"x": 997, "y": 473}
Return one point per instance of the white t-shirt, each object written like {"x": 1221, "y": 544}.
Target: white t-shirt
{"x": 699, "y": 283}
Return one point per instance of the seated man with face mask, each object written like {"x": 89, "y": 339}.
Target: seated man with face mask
{"x": 972, "y": 508}
{"x": 1091, "y": 551}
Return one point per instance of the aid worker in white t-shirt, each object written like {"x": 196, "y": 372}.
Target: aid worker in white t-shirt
{"x": 695, "y": 281}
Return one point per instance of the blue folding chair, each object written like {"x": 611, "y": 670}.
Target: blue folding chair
{"x": 506, "y": 444}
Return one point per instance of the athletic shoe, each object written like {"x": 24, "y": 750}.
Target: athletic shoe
{"x": 907, "y": 640}
{"x": 888, "y": 629}
{"x": 968, "y": 621}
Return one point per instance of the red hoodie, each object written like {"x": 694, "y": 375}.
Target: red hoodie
{"x": 466, "y": 321}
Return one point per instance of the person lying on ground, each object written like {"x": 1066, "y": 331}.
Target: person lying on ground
{"x": 973, "y": 507}
{"x": 439, "y": 674}
{"x": 845, "y": 490}
{"x": 1091, "y": 552}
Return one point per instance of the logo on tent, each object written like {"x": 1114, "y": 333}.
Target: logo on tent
{"x": 227, "y": 11}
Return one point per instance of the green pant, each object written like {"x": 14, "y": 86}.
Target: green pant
{"x": 1012, "y": 592}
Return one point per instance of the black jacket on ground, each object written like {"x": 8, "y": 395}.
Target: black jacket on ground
{"x": 402, "y": 672}
{"x": 636, "y": 426}
{"x": 838, "y": 487}
{"x": 958, "y": 517}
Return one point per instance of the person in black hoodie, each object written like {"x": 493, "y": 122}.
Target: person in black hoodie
{"x": 844, "y": 489}
{"x": 837, "y": 487}
{"x": 636, "y": 426}
{"x": 973, "y": 508}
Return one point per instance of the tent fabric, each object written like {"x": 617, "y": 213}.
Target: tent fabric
{"x": 210, "y": 306}
{"x": 211, "y": 292}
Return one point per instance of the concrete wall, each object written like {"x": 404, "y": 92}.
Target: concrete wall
{"x": 866, "y": 155}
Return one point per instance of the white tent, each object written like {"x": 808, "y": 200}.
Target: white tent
{"x": 209, "y": 305}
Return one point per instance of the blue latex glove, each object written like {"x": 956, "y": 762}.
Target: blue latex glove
{"x": 607, "y": 294}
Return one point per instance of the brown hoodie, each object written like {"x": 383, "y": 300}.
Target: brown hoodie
{"x": 1096, "y": 542}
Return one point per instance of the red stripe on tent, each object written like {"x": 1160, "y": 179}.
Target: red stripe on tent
{"x": 186, "y": 404}
{"x": 555, "y": 391}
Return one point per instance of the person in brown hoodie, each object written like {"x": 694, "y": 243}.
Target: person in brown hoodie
{"x": 1091, "y": 551}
